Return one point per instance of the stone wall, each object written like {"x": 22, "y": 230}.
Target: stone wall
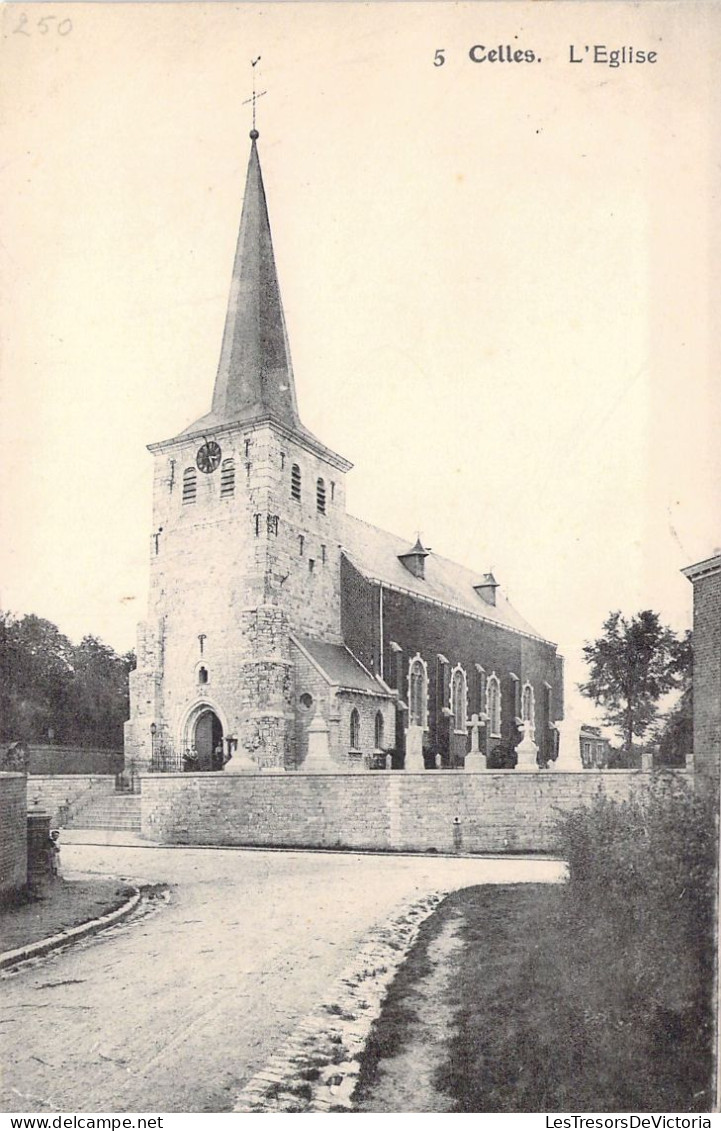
{"x": 73, "y": 760}
{"x": 495, "y": 811}
{"x": 335, "y": 707}
{"x": 367, "y": 707}
{"x": 51, "y": 792}
{"x": 312, "y": 696}
{"x": 13, "y": 832}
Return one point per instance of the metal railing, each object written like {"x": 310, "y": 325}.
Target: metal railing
{"x": 166, "y": 761}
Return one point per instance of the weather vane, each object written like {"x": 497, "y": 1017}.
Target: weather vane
{"x": 254, "y": 98}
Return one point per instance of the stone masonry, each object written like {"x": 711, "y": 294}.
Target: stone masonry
{"x": 495, "y": 811}
{"x": 240, "y": 557}
{"x": 13, "y": 833}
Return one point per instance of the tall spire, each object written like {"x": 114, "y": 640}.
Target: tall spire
{"x": 255, "y": 375}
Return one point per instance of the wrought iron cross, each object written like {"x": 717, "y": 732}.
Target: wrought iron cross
{"x": 256, "y": 94}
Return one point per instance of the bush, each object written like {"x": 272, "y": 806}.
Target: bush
{"x": 641, "y": 898}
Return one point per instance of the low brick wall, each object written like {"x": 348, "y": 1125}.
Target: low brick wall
{"x": 51, "y": 792}
{"x": 13, "y": 833}
{"x": 495, "y": 811}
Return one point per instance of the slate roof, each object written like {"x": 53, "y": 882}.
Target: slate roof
{"x": 254, "y": 380}
{"x": 340, "y": 667}
{"x": 374, "y": 553}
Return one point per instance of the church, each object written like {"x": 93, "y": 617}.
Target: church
{"x": 275, "y": 616}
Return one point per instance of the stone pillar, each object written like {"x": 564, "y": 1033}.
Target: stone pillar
{"x": 241, "y": 763}
{"x": 527, "y": 750}
{"x": 475, "y": 759}
{"x": 40, "y": 857}
{"x": 647, "y": 759}
{"x": 569, "y": 748}
{"x": 318, "y": 759}
{"x": 414, "y": 749}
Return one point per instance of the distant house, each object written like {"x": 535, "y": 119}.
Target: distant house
{"x": 595, "y": 749}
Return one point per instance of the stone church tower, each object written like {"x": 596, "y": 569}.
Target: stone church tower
{"x": 247, "y": 521}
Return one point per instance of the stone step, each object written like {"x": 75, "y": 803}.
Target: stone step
{"x": 128, "y": 826}
{"x": 106, "y": 823}
{"x": 109, "y": 811}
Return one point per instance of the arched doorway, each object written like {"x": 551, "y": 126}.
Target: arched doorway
{"x": 208, "y": 741}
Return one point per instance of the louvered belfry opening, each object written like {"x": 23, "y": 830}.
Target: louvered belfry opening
{"x": 227, "y": 478}
{"x": 190, "y": 485}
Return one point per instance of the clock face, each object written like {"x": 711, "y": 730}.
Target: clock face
{"x": 208, "y": 457}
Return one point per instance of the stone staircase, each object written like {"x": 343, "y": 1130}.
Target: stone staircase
{"x": 107, "y": 811}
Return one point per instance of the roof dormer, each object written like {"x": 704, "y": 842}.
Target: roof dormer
{"x": 415, "y": 559}
{"x": 486, "y": 589}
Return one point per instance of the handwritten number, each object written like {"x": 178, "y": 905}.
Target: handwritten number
{"x": 440, "y": 57}
{"x": 43, "y": 25}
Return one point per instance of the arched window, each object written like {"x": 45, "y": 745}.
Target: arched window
{"x": 459, "y": 699}
{"x": 355, "y": 729}
{"x": 528, "y": 705}
{"x": 417, "y": 692}
{"x": 379, "y": 730}
{"x": 202, "y": 675}
{"x": 320, "y": 496}
{"x": 295, "y": 481}
{"x": 493, "y": 705}
{"x": 190, "y": 485}
{"x": 480, "y": 698}
{"x": 516, "y": 693}
{"x": 227, "y": 478}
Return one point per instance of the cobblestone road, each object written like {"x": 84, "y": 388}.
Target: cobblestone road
{"x": 176, "y": 1010}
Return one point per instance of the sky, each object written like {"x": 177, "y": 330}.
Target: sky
{"x": 498, "y": 279}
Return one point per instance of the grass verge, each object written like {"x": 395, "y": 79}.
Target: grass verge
{"x": 58, "y": 906}
{"x": 546, "y": 1017}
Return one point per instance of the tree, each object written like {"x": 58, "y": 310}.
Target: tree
{"x": 35, "y": 673}
{"x": 99, "y": 694}
{"x": 77, "y": 693}
{"x": 674, "y": 736}
{"x": 632, "y": 665}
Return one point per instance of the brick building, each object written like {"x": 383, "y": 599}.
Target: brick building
{"x": 706, "y": 579}
{"x": 271, "y": 607}
{"x": 594, "y": 748}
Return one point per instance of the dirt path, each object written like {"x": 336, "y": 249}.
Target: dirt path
{"x": 405, "y": 1082}
{"x": 175, "y": 1011}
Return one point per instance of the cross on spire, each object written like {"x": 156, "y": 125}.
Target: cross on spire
{"x": 254, "y": 97}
